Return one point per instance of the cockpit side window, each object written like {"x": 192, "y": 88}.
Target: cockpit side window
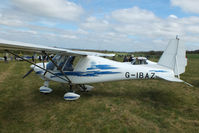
{"x": 69, "y": 64}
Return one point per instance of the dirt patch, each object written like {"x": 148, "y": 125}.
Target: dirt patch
{"x": 7, "y": 72}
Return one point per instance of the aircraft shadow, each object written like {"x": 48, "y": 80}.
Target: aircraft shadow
{"x": 154, "y": 97}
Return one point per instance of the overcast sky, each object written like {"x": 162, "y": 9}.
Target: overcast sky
{"x": 121, "y": 25}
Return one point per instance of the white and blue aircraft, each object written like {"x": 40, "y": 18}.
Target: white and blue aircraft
{"x": 92, "y": 67}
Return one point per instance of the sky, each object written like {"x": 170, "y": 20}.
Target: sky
{"x": 118, "y": 25}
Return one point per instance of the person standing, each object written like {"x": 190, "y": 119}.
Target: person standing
{"x": 5, "y": 58}
{"x": 39, "y": 58}
{"x": 125, "y": 59}
{"x": 33, "y": 58}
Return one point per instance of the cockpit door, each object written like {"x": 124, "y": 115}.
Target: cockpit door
{"x": 63, "y": 62}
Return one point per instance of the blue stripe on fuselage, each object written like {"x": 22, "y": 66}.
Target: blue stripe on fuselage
{"x": 88, "y": 73}
{"x": 163, "y": 71}
{"x": 101, "y": 67}
{"x": 39, "y": 72}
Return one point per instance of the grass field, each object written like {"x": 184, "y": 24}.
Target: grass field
{"x": 134, "y": 106}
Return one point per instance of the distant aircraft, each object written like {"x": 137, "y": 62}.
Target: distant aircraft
{"x": 91, "y": 67}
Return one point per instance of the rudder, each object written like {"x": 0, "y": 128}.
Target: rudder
{"x": 174, "y": 57}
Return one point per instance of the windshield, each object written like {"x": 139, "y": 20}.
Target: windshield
{"x": 50, "y": 65}
{"x": 63, "y": 62}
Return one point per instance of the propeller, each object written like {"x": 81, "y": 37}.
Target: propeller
{"x": 32, "y": 68}
{"x": 28, "y": 73}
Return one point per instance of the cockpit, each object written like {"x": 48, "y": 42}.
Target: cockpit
{"x": 64, "y": 62}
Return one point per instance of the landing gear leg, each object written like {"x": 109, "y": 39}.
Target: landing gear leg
{"x": 71, "y": 88}
{"x": 45, "y": 88}
{"x": 82, "y": 88}
{"x": 85, "y": 88}
{"x": 71, "y": 95}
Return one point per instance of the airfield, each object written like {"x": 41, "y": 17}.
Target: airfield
{"x": 134, "y": 106}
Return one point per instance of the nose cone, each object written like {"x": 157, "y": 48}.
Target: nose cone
{"x": 32, "y": 66}
{"x": 37, "y": 69}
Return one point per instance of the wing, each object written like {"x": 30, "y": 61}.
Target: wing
{"x": 13, "y": 45}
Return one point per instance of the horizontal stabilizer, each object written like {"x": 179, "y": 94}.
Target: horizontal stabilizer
{"x": 170, "y": 78}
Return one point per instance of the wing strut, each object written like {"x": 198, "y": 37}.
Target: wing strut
{"x": 37, "y": 65}
{"x": 60, "y": 69}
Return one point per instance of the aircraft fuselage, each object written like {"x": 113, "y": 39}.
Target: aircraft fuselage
{"x": 92, "y": 69}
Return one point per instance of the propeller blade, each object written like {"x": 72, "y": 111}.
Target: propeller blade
{"x": 28, "y": 73}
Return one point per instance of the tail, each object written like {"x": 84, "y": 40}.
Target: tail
{"x": 174, "y": 57}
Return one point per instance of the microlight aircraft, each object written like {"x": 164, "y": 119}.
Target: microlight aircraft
{"x": 92, "y": 67}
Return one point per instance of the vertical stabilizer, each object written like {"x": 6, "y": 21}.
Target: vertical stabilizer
{"x": 174, "y": 57}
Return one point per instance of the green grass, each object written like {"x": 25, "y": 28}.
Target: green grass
{"x": 124, "y": 106}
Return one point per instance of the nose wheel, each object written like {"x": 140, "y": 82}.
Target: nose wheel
{"x": 45, "y": 88}
{"x": 71, "y": 95}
